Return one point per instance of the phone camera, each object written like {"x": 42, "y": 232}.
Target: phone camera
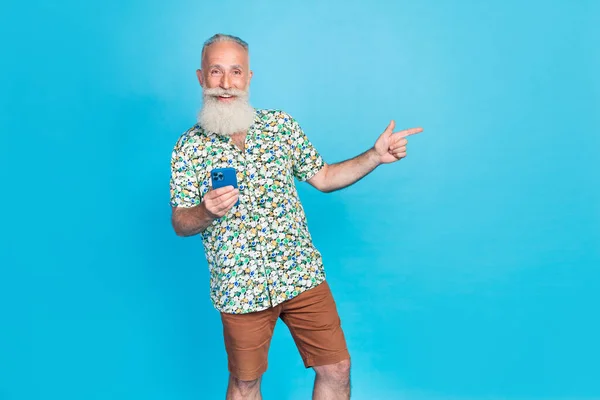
{"x": 218, "y": 176}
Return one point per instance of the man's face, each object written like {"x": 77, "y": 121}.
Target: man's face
{"x": 225, "y": 65}
{"x": 225, "y": 80}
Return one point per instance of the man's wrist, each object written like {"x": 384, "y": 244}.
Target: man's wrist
{"x": 204, "y": 215}
{"x": 373, "y": 157}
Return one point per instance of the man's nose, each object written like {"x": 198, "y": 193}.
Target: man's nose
{"x": 225, "y": 82}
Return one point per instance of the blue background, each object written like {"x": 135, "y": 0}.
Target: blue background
{"x": 469, "y": 270}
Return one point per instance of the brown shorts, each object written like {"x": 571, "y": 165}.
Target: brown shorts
{"x": 312, "y": 319}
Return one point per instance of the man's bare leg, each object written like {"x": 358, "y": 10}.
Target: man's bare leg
{"x": 243, "y": 390}
{"x": 332, "y": 381}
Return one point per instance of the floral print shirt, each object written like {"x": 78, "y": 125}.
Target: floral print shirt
{"x": 260, "y": 253}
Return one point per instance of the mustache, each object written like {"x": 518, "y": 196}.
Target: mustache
{"x": 216, "y": 92}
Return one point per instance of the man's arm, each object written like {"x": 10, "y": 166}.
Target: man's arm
{"x": 388, "y": 148}
{"x": 189, "y": 221}
{"x": 337, "y": 176}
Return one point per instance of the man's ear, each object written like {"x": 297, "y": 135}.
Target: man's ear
{"x": 200, "y": 78}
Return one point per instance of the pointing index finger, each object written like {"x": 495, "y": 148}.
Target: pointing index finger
{"x": 408, "y": 132}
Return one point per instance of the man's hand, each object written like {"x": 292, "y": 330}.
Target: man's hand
{"x": 390, "y": 146}
{"x": 218, "y": 202}
{"x": 188, "y": 221}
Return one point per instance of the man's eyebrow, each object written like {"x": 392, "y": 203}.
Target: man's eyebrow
{"x": 238, "y": 66}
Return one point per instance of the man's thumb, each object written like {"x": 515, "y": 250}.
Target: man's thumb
{"x": 390, "y": 128}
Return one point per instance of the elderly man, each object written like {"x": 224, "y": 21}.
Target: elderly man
{"x": 263, "y": 265}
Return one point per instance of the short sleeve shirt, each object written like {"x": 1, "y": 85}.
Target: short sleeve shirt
{"x": 260, "y": 253}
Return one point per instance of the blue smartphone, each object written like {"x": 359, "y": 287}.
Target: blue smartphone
{"x": 221, "y": 177}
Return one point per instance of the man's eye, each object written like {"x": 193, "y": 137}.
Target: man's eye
{"x": 215, "y": 72}
{"x": 237, "y": 72}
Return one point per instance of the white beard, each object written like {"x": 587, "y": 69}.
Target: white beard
{"x": 226, "y": 118}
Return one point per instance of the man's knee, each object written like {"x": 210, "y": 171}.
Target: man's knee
{"x": 244, "y": 386}
{"x": 338, "y": 372}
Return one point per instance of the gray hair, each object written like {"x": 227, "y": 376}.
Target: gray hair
{"x": 222, "y": 37}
